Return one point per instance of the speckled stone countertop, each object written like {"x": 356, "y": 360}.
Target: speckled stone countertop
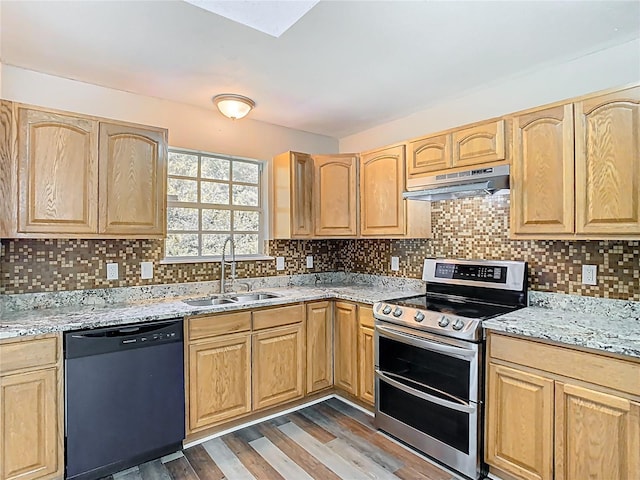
{"x": 601, "y": 324}
{"x": 74, "y": 317}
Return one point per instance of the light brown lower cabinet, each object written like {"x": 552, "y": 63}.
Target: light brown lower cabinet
{"x": 346, "y": 346}
{"x": 559, "y": 413}
{"x": 31, "y": 409}
{"x": 366, "y": 358}
{"x": 319, "y": 346}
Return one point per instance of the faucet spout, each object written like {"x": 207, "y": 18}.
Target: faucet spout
{"x": 232, "y": 263}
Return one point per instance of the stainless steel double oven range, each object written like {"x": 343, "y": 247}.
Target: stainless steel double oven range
{"x": 429, "y": 356}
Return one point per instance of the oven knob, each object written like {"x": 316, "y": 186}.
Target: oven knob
{"x": 419, "y": 317}
{"x": 444, "y": 321}
{"x": 386, "y": 310}
{"x": 397, "y": 312}
{"x": 458, "y": 324}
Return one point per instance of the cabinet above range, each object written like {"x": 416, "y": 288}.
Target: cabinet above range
{"x": 74, "y": 176}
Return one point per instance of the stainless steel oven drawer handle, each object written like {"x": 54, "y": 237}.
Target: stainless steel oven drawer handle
{"x": 426, "y": 344}
{"x": 425, "y": 396}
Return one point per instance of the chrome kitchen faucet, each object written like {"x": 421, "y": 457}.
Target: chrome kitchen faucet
{"x": 232, "y": 263}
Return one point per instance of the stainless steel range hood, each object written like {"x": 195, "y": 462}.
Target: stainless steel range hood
{"x": 468, "y": 183}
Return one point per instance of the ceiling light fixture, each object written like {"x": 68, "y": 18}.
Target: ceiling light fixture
{"x": 233, "y": 106}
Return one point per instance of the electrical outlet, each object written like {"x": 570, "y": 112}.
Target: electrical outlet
{"x": 112, "y": 271}
{"x": 589, "y": 274}
{"x": 309, "y": 261}
{"x": 395, "y": 264}
{"x": 146, "y": 270}
{"x": 279, "y": 263}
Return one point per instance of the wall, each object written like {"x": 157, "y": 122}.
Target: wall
{"x": 605, "y": 69}
{"x": 189, "y": 127}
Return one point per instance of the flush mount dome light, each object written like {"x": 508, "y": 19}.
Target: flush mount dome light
{"x": 233, "y": 106}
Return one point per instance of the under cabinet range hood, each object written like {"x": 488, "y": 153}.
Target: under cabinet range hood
{"x": 468, "y": 183}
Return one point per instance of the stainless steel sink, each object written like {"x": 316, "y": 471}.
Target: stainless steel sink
{"x": 250, "y": 297}
{"x": 205, "y": 302}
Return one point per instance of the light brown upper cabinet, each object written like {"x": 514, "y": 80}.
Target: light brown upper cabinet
{"x": 608, "y": 164}
{"x": 427, "y": 155}
{"x": 484, "y": 143}
{"x": 75, "y": 176}
{"x": 542, "y": 171}
{"x": 292, "y": 198}
{"x": 133, "y": 174}
{"x": 576, "y": 169}
{"x": 335, "y": 195}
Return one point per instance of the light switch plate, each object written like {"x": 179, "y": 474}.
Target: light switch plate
{"x": 279, "y": 263}
{"x": 589, "y": 274}
{"x": 395, "y": 264}
{"x": 309, "y": 261}
{"x": 112, "y": 271}
{"x": 146, "y": 270}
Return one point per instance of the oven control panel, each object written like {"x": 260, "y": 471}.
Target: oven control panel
{"x": 456, "y": 271}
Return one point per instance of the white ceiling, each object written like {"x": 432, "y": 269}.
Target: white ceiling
{"x": 344, "y": 67}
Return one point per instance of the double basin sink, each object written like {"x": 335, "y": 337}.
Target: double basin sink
{"x": 236, "y": 298}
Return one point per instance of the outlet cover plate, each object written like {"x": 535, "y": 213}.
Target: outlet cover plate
{"x": 112, "y": 271}
{"x": 279, "y": 263}
{"x": 589, "y": 274}
{"x": 309, "y": 261}
{"x": 146, "y": 270}
{"x": 395, "y": 264}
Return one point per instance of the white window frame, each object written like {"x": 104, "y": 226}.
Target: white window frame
{"x": 262, "y": 209}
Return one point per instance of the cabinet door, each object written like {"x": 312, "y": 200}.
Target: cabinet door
{"x": 133, "y": 164}
{"x": 366, "y": 366}
{"x": 597, "y": 435}
{"x": 345, "y": 347}
{"x": 480, "y": 144}
{"x": 428, "y": 155}
{"x": 520, "y": 423}
{"x": 381, "y": 186}
{"x": 219, "y": 380}
{"x": 319, "y": 346}
{"x": 58, "y": 173}
{"x": 29, "y": 407}
{"x": 542, "y": 172}
{"x": 335, "y": 195}
{"x": 278, "y": 366}
{"x": 608, "y": 164}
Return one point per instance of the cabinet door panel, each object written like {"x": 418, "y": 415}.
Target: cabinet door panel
{"x": 132, "y": 180}
{"x": 520, "y": 423}
{"x": 58, "y": 173}
{"x": 542, "y": 172}
{"x": 278, "y": 366}
{"x": 219, "y": 380}
{"x": 429, "y": 155}
{"x": 319, "y": 346}
{"x": 29, "y": 425}
{"x": 597, "y": 435}
{"x": 345, "y": 347}
{"x": 335, "y": 190}
{"x": 480, "y": 144}
{"x": 608, "y": 164}
{"x": 366, "y": 367}
{"x": 381, "y": 186}
{"x": 301, "y": 196}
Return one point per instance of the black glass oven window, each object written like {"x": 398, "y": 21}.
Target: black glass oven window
{"x": 436, "y": 370}
{"x": 446, "y": 425}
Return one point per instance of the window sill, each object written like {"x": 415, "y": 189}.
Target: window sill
{"x": 239, "y": 258}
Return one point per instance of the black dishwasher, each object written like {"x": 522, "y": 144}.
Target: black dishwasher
{"x": 124, "y": 396}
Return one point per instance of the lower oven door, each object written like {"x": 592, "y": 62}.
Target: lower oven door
{"x": 423, "y": 391}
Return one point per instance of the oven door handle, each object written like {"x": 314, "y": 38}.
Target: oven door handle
{"x": 432, "y": 345}
{"x": 425, "y": 396}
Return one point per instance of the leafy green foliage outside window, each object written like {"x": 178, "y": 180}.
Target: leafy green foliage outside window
{"x": 209, "y": 198}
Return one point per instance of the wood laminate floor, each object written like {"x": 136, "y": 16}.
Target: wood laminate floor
{"x": 327, "y": 441}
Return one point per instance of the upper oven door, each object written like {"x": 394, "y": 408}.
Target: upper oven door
{"x": 438, "y": 366}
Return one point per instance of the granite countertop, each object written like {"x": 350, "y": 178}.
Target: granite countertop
{"x": 611, "y": 326}
{"x": 35, "y": 322}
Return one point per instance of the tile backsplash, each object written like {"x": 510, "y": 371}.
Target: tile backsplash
{"x": 464, "y": 228}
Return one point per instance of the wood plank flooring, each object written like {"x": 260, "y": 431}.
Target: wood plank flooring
{"x": 327, "y": 441}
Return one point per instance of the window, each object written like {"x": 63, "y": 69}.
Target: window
{"x": 210, "y": 197}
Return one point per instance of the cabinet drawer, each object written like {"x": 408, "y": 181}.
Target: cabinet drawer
{"x": 212, "y": 325}
{"x": 589, "y": 367}
{"x": 28, "y": 354}
{"x": 365, "y": 317}
{"x": 275, "y": 317}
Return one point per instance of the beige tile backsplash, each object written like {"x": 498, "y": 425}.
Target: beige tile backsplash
{"x": 465, "y": 228}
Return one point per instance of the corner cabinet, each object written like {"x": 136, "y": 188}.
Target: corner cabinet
{"x": 31, "y": 409}
{"x": 596, "y": 141}
{"x": 75, "y": 176}
{"x": 558, "y": 413}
